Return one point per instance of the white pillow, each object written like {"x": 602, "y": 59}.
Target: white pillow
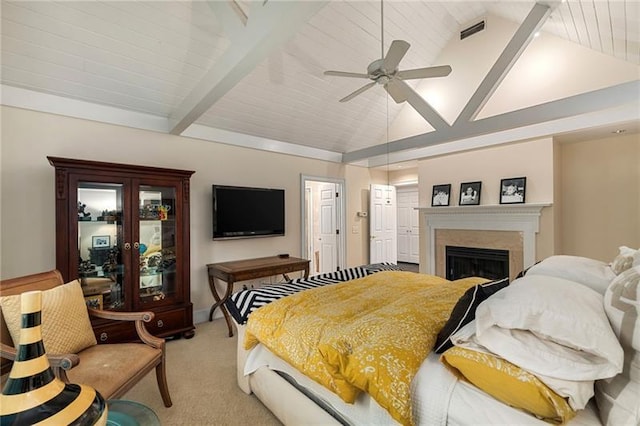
{"x": 626, "y": 258}
{"x": 595, "y": 274}
{"x": 578, "y": 392}
{"x": 550, "y": 326}
{"x": 619, "y": 397}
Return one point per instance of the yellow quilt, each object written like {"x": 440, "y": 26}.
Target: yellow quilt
{"x": 370, "y": 334}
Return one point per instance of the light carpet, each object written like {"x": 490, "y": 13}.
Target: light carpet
{"x": 201, "y": 374}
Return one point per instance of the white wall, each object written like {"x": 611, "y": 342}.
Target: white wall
{"x": 27, "y": 215}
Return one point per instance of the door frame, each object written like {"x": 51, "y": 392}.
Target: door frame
{"x": 340, "y": 215}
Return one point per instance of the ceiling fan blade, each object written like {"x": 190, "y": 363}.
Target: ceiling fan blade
{"x": 357, "y": 92}
{"x": 346, "y": 74}
{"x": 396, "y": 52}
{"x": 429, "y": 72}
{"x": 396, "y": 91}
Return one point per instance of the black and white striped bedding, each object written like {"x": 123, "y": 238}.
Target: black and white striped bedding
{"x": 242, "y": 303}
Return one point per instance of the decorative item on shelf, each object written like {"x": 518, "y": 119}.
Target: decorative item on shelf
{"x": 168, "y": 260}
{"x": 154, "y": 212}
{"x": 86, "y": 268}
{"x": 111, "y": 264}
{"x": 163, "y": 212}
{"x": 109, "y": 216}
{"x": 116, "y": 296}
{"x": 94, "y": 301}
{"x": 470, "y": 193}
{"x": 441, "y": 195}
{"x": 99, "y": 241}
{"x": 155, "y": 260}
{"x": 82, "y": 214}
{"x": 32, "y": 393}
{"x": 512, "y": 190}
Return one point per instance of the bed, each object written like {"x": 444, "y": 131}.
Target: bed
{"x": 597, "y": 361}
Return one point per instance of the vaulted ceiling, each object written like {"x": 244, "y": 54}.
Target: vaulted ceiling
{"x": 251, "y": 73}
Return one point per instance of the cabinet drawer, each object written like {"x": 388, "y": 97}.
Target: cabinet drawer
{"x": 167, "y": 323}
{"x": 115, "y": 332}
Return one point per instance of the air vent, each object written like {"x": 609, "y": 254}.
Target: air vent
{"x": 475, "y": 28}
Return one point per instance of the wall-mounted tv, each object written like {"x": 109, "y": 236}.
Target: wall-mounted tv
{"x": 243, "y": 212}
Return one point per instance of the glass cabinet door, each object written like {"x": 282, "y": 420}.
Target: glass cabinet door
{"x": 157, "y": 278}
{"x": 100, "y": 235}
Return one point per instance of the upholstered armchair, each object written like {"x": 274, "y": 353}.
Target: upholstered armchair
{"x": 74, "y": 353}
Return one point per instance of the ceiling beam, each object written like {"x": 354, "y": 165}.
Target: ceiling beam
{"x": 463, "y": 125}
{"x": 423, "y": 108}
{"x": 590, "y": 102}
{"x": 518, "y": 43}
{"x": 268, "y": 28}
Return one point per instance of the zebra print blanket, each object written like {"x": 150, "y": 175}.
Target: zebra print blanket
{"x": 242, "y": 303}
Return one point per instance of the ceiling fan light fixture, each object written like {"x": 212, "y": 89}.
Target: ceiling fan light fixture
{"x": 384, "y": 71}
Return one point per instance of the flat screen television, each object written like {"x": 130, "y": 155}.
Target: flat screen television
{"x": 243, "y": 212}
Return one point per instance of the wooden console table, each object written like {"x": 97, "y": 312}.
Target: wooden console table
{"x": 248, "y": 269}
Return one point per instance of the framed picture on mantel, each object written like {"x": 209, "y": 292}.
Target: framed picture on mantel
{"x": 470, "y": 193}
{"x": 440, "y": 195}
{"x": 512, "y": 190}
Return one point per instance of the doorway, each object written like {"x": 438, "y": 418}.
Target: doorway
{"x": 322, "y": 223}
{"x": 383, "y": 238}
{"x": 408, "y": 225}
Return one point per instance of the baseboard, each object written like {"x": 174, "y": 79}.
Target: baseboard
{"x": 202, "y": 315}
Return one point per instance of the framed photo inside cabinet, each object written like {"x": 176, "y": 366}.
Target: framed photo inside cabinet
{"x": 470, "y": 193}
{"x": 98, "y": 241}
{"x": 440, "y": 195}
{"x": 513, "y": 190}
{"x": 94, "y": 301}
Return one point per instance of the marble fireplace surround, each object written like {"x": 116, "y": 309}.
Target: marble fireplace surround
{"x": 510, "y": 227}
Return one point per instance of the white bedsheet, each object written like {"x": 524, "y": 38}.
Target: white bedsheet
{"x": 438, "y": 398}
{"x": 364, "y": 411}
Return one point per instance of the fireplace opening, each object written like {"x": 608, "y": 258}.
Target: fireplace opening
{"x": 463, "y": 262}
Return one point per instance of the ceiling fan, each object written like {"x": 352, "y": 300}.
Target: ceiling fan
{"x": 385, "y": 71}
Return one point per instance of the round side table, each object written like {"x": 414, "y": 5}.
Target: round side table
{"x": 130, "y": 413}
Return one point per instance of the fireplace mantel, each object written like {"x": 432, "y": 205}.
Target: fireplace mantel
{"x": 524, "y": 218}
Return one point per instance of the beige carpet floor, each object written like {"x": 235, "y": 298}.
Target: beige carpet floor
{"x": 201, "y": 373}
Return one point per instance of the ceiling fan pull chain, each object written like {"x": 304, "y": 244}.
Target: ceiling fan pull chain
{"x": 382, "y": 28}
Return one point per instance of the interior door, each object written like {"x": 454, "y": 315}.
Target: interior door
{"x": 408, "y": 226}
{"x": 322, "y": 223}
{"x": 327, "y": 236}
{"x": 383, "y": 246}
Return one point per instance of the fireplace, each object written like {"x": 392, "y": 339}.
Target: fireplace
{"x": 463, "y": 262}
{"x": 500, "y": 227}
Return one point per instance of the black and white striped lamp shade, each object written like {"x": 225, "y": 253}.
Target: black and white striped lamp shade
{"x": 33, "y": 395}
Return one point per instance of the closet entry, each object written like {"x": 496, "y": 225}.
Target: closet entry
{"x": 408, "y": 225}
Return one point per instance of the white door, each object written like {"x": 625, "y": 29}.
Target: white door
{"x": 322, "y": 222}
{"x": 383, "y": 224}
{"x": 408, "y": 232}
{"x": 327, "y": 246}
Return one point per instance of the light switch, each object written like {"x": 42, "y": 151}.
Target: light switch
{"x": 355, "y": 229}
